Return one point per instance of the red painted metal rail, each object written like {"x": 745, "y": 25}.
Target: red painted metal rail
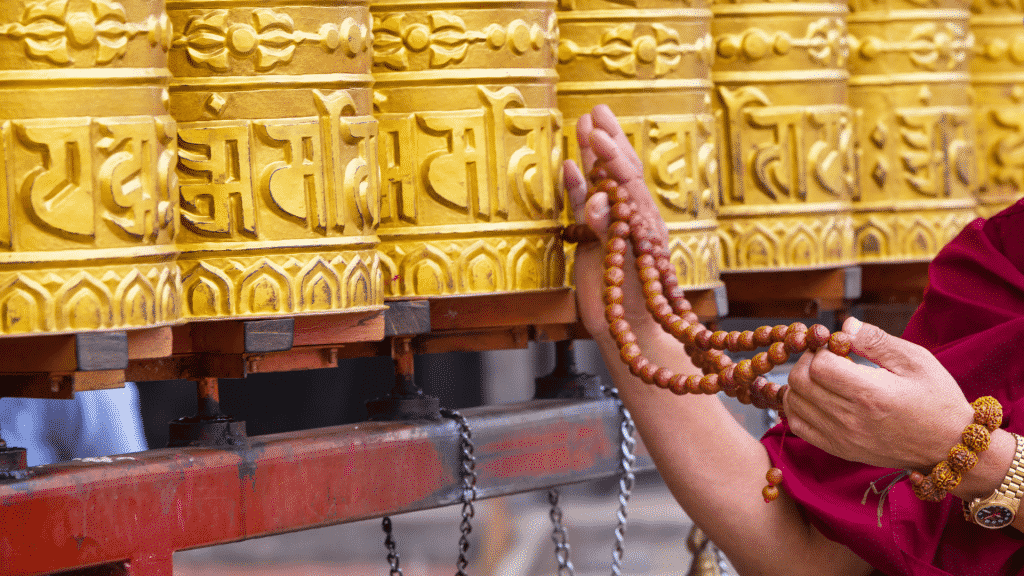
{"x": 129, "y": 514}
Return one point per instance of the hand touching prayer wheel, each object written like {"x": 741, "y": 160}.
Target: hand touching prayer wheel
{"x": 848, "y": 424}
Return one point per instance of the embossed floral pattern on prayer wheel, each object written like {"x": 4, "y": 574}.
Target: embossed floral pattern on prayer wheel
{"x": 87, "y": 219}
{"x": 469, "y": 154}
{"x": 650, "y": 61}
{"x": 997, "y": 75}
{"x": 786, "y": 147}
{"x": 910, "y": 87}
{"x": 277, "y": 160}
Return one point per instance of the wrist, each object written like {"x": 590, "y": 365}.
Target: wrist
{"x": 993, "y": 464}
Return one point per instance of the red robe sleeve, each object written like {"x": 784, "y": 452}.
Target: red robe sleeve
{"x": 972, "y": 319}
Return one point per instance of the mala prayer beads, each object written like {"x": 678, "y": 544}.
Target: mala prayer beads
{"x": 667, "y": 303}
{"x": 946, "y": 475}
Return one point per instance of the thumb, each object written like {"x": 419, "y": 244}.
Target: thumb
{"x": 887, "y": 351}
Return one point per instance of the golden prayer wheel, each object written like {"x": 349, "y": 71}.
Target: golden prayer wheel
{"x": 651, "y": 63}
{"x": 277, "y": 159}
{"x": 469, "y": 154}
{"x": 86, "y": 217}
{"x": 997, "y": 75}
{"x": 786, "y": 147}
{"x": 910, "y": 87}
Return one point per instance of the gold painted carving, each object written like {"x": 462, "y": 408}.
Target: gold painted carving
{"x": 270, "y": 40}
{"x": 448, "y": 39}
{"x": 930, "y": 46}
{"x": 279, "y": 187}
{"x": 622, "y": 48}
{"x": 825, "y": 42}
{"x": 59, "y": 31}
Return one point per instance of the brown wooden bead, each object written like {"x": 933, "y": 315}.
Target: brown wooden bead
{"x": 691, "y": 351}
{"x": 771, "y": 394}
{"x": 770, "y": 493}
{"x": 988, "y": 412}
{"x": 614, "y": 277}
{"x": 777, "y": 353}
{"x": 718, "y": 339}
{"x": 976, "y": 437}
{"x": 637, "y": 223}
{"x": 637, "y": 365}
{"x": 743, "y": 393}
{"x": 916, "y": 477}
{"x": 839, "y": 344}
{"x": 662, "y": 377}
{"x": 619, "y": 327}
{"x": 660, "y": 310}
{"x": 744, "y": 373}
{"x": 629, "y": 353}
{"x": 709, "y": 384}
{"x": 644, "y": 261}
{"x": 614, "y": 295}
{"x": 621, "y": 211}
{"x": 690, "y": 334}
{"x": 746, "y": 341}
{"x": 732, "y": 341}
{"x": 779, "y": 332}
{"x": 620, "y": 194}
{"x": 817, "y": 337}
{"x": 779, "y": 395}
{"x": 758, "y": 390}
{"x": 691, "y": 317}
{"x": 677, "y": 385}
{"x": 727, "y": 381}
{"x": 693, "y": 384}
{"x": 761, "y": 364}
{"x": 619, "y": 229}
{"x": 678, "y": 295}
{"x": 651, "y": 290}
{"x": 703, "y": 339}
{"x": 961, "y": 458}
{"x": 598, "y": 175}
{"x": 614, "y": 312}
{"x": 648, "y": 371}
{"x": 796, "y": 342}
{"x": 763, "y": 336}
{"x": 616, "y": 246}
{"x": 774, "y": 476}
{"x": 624, "y": 338}
{"x": 676, "y": 326}
{"x": 644, "y": 247}
{"x": 665, "y": 268}
{"x": 648, "y": 275}
{"x": 614, "y": 260}
{"x": 721, "y": 360}
{"x": 797, "y": 327}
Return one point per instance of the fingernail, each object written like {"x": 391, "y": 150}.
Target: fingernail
{"x": 852, "y": 326}
{"x": 600, "y": 210}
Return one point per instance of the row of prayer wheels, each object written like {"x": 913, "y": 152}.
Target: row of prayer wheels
{"x": 174, "y": 160}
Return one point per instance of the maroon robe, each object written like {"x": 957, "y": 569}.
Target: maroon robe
{"x": 972, "y": 319}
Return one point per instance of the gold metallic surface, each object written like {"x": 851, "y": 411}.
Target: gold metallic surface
{"x": 997, "y": 75}
{"x": 469, "y": 155}
{"x": 910, "y": 88}
{"x": 86, "y": 214}
{"x": 277, "y": 159}
{"x": 786, "y": 148}
{"x": 650, "y": 61}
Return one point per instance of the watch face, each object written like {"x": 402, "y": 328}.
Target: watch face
{"x": 994, "y": 516}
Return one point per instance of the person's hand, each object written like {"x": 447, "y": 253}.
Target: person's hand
{"x": 602, "y": 141}
{"x": 905, "y": 414}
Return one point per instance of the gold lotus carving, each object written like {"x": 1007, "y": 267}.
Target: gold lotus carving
{"x": 825, "y": 42}
{"x": 622, "y": 48}
{"x": 931, "y": 46}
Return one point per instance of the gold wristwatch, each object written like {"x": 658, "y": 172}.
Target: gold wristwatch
{"x": 999, "y": 509}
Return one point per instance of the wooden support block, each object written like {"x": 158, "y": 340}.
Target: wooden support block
{"x": 150, "y": 343}
{"x": 407, "y": 317}
{"x": 58, "y": 386}
{"x": 237, "y": 336}
{"x": 153, "y": 369}
{"x": 295, "y": 359}
{"x": 472, "y": 340}
{"x": 333, "y": 329}
{"x": 269, "y": 335}
{"x": 894, "y": 283}
{"x": 790, "y": 293}
{"x": 503, "y": 310}
{"x": 98, "y": 380}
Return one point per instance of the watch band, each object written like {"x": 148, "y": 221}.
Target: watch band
{"x": 1012, "y": 486}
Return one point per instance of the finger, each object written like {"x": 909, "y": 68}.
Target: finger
{"x": 597, "y": 214}
{"x": 890, "y": 352}
{"x": 628, "y": 175}
{"x": 576, "y": 186}
{"x": 806, "y": 421}
{"x": 799, "y": 374}
{"x": 605, "y": 119}
{"x": 584, "y": 127}
{"x": 844, "y": 378}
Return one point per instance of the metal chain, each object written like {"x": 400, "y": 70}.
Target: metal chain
{"x": 389, "y": 543}
{"x": 468, "y": 486}
{"x": 626, "y": 481}
{"x": 559, "y": 537}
